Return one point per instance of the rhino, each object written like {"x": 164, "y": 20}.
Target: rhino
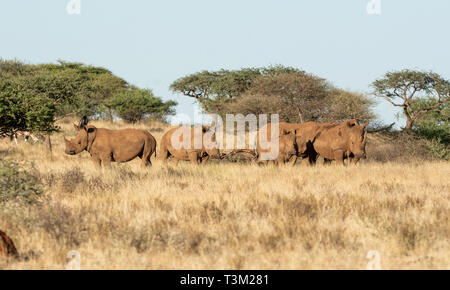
{"x": 305, "y": 134}
{"x": 179, "y": 142}
{"x": 106, "y": 146}
{"x": 341, "y": 141}
{"x": 7, "y": 248}
{"x": 287, "y": 148}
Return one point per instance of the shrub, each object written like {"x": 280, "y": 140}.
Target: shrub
{"x": 135, "y": 104}
{"x": 438, "y": 149}
{"x": 71, "y": 179}
{"x": 18, "y": 182}
{"x": 397, "y": 147}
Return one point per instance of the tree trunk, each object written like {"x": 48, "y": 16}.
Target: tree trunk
{"x": 49, "y": 143}
{"x": 409, "y": 124}
{"x": 111, "y": 119}
{"x": 409, "y": 119}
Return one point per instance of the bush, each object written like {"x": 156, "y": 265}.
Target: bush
{"x": 434, "y": 131}
{"x": 134, "y": 105}
{"x": 18, "y": 182}
{"x": 438, "y": 149}
{"x": 435, "y": 128}
{"x": 404, "y": 147}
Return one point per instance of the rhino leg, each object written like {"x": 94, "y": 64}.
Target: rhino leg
{"x": 146, "y": 156}
{"x": 164, "y": 154}
{"x": 97, "y": 161}
{"x": 339, "y": 157}
{"x": 262, "y": 162}
{"x": 193, "y": 157}
{"x": 293, "y": 160}
{"x": 175, "y": 161}
{"x": 306, "y": 161}
{"x": 205, "y": 159}
{"x": 353, "y": 160}
{"x": 146, "y": 162}
{"x": 106, "y": 160}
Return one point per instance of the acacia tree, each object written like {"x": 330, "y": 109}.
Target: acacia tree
{"x": 300, "y": 97}
{"x": 434, "y": 125}
{"x": 20, "y": 110}
{"x": 33, "y": 97}
{"x": 214, "y": 89}
{"x": 405, "y": 88}
{"x": 342, "y": 105}
{"x": 91, "y": 86}
{"x": 134, "y": 104}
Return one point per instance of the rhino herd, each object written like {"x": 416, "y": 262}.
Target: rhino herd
{"x": 332, "y": 141}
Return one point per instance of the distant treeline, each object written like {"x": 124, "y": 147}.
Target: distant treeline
{"x": 298, "y": 96}
{"x": 33, "y": 97}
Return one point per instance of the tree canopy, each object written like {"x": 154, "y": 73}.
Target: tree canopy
{"x": 292, "y": 93}
{"x": 416, "y": 92}
{"x": 33, "y": 97}
{"x": 134, "y": 104}
{"x": 212, "y": 89}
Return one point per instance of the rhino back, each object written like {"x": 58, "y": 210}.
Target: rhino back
{"x": 330, "y": 139}
{"x": 127, "y": 142}
{"x": 180, "y": 153}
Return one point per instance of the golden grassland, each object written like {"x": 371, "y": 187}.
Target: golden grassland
{"x": 227, "y": 215}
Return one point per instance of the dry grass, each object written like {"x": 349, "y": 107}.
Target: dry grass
{"x": 228, "y": 216}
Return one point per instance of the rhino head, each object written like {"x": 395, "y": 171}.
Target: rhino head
{"x": 83, "y": 140}
{"x": 288, "y": 142}
{"x": 357, "y": 138}
{"x": 209, "y": 142}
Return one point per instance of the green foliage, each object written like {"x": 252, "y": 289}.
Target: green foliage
{"x": 417, "y": 93}
{"x": 300, "y": 97}
{"x": 438, "y": 149}
{"x": 79, "y": 88}
{"x": 16, "y": 182}
{"x": 435, "y": 127}
{"x": 34, "y": 96}
{"x": 22, "y": 111}
{"x": 295, "y": 95}
{"x": 212, "y": 89}
{"x": 433, "y": 130}
{"x": 342, "y": 105}
{"x": 135, "y": 104}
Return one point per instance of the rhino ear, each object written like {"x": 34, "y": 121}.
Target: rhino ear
{"x": 90, "y": 129}
{"x": 351, "y": 123}
{"x": 83, "y": 122}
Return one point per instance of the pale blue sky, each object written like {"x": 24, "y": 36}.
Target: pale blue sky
{"x": 152, "y": 43}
